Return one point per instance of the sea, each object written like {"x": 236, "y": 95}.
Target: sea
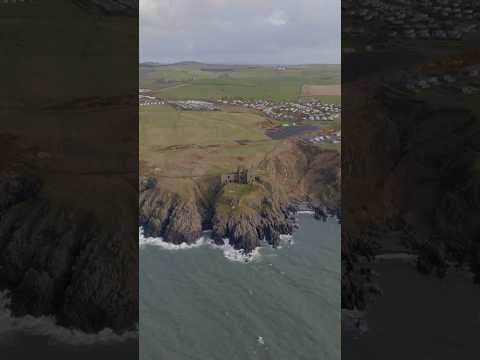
{"x": 208, "y": 302}
{"x": 27, "y": 338}
{"x": 418, "y": 317}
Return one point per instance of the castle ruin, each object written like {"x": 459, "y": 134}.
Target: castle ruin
{"x": 241, "y": 176}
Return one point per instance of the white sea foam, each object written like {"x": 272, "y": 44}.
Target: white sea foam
{"x": 286, "y": 238}
{"x": 153, "y": 241}
{"x": 306, "y": 212}
{"x": 233, "y": 254}
{"x": 228, "y": 250}
{"x": 46, "y": 326}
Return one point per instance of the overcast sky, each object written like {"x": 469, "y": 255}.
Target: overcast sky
{"x": 240, "y": 31}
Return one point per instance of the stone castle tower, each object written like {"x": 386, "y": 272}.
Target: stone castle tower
{"x": 241, "y": 176}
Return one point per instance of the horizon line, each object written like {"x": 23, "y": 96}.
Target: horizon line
{"x": 231, "y": 63}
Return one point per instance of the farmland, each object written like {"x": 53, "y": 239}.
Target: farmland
{"x": 200, "y": 81}
{"x": 183, "y": 143}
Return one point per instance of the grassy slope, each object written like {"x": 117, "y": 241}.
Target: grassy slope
{"x": 168, "y": 127}
{"x": 238, "y": 198}
{"x": 200, "y": 143}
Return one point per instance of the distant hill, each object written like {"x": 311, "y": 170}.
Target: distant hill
{"x": 202, "y": 64}
{"x": 189, "y": 63}
{"x": 180, "y": 63}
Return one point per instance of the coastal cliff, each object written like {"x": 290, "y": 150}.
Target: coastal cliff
{"x": 68, "y": 188}
{"x": 256, "y": 215}
{"x": 411, "y": 170}
{"x": 249, "y": 215}
{"x": 175, "y": 216}
{"x": 62, "y": 254}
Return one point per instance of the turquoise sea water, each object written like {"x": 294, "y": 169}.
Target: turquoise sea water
{"x": 285, "y": 304}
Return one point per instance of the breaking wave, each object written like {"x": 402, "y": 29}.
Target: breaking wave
{"x": 158, "y": 241}
{"x": 305, "y": 212}
{"x": 229, "y": 252}
{"x": 47, "y": 326}
{"x": 233, "y": 254}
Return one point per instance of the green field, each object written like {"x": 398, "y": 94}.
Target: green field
{"x": 164, "y": 125}
{"x": 199, "y": 81}
{"x": 188, "y": 143}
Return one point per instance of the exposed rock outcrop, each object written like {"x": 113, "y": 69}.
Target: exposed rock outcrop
{"x": 247, "y": 214}
{"x": 250, "y": 219}
{"x": 172, "y": 215}
{"x": 16, "y": 187}
{"x": 412, "y": 169}
{"x": 62, "y": 253}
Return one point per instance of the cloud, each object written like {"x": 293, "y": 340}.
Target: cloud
{"x": 240, "y": 31}
{"x": 278, "y": 18}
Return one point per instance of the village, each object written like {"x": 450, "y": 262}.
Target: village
{"x": 145, "y": 100}
{"x": 465, "y": 80}
{"x": 308, "y": 110}
{"x": 420, "y": 19}
{"x": 313, "y": 110}
{"x": 194, "y": 105}
{"x": 327, "y": 137}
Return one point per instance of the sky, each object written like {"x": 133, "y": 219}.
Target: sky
{"x": 240, "y": 31}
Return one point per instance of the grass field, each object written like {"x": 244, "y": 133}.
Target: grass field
{"x": 447, "y": 98}
{"x": 184, "y": 143}
{"x": 199, "y": 81}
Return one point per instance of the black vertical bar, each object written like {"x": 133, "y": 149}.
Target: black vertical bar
{"x": 410, "y": 199}
{"x": 69, "y": 167}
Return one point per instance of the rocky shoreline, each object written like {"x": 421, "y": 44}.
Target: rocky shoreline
{"x": 62, "y": 254}
{"x": 418, "y": 185}
{"x": 178, "y": 221}
{"x": 261, "y": 215}
{"x": 54, "y": 258}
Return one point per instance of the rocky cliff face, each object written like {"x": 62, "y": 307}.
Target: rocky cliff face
{"x": 259, "y": 215}
{"x": 248, "y": 215}
{"x": 176, "y": 216}
{"x": 63, "y": 258}
{"x": 180, "y": 217}
{"x": 412, "y": 169}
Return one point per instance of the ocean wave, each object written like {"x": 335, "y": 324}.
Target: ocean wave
{"x": 236, "y": 255}
{"x": 286, "y": 238}
{"x": 47, "y": 326}
{"x": 229, "y": 252}
{"x": 152, "y": 241}
{"x": 305, "y": 212}
{"x": 285, "y": 241}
